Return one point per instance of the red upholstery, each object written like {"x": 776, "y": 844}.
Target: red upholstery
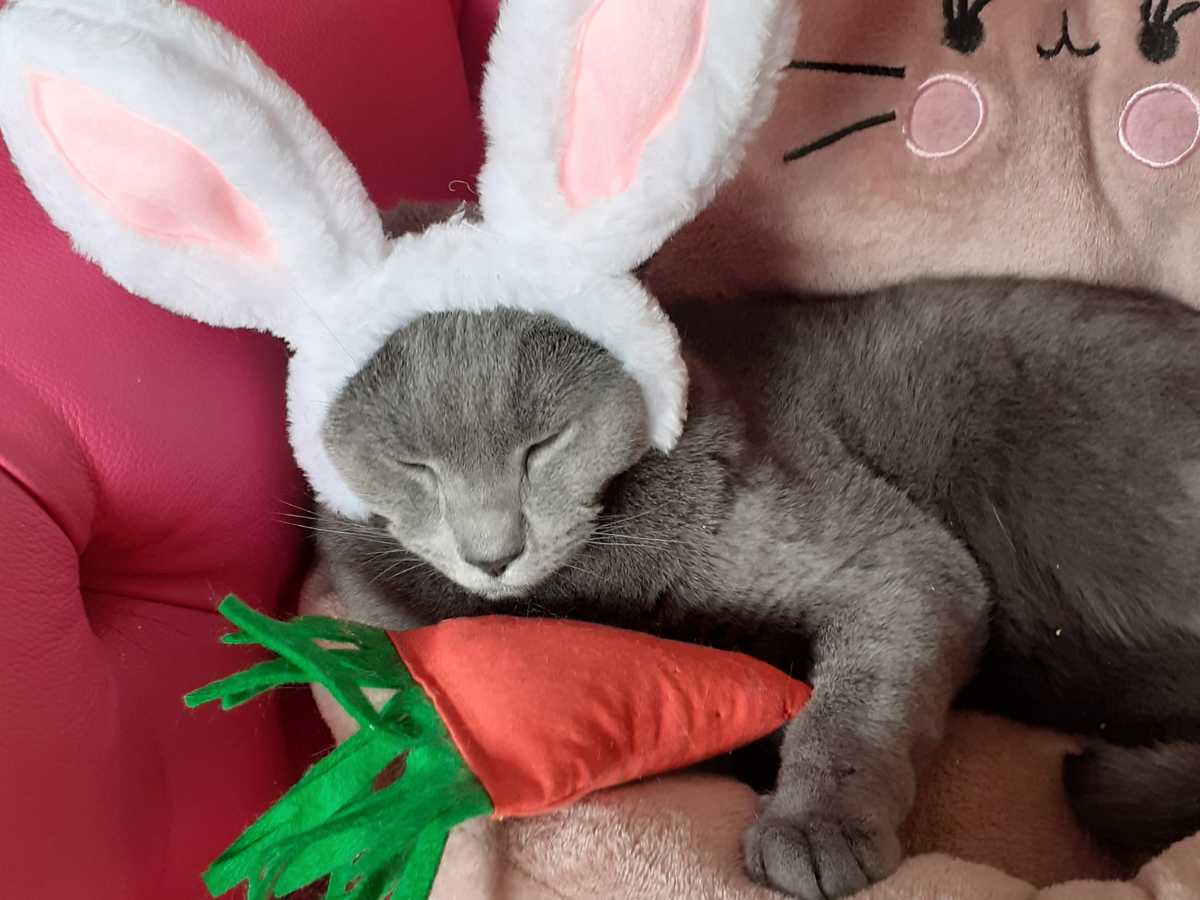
{"x": 144, "y": 474}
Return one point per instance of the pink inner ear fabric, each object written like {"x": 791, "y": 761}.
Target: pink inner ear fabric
{"x": 154, "y": 181}
{"x": 633, "y": 64}
{"x": 1160, "y": 125}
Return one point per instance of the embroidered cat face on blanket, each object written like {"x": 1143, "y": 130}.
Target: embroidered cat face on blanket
{"x": 946, "y": 137}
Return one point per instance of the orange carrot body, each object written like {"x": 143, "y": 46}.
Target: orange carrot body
{"x": 545, "y": 711}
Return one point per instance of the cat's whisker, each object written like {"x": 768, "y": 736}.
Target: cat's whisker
{"x": 536, "y": 609}
{"x": 598, "y": 537}
{"x": 636, "y": 538}
{"x": 364, "y": 535}
{"x": 607, "y": 520}
{"x": 390, "y": 571}
{"x": 612, "y": 543}
{"x": 301, "y": 517}
{"x": 292, "y": 519}
{"x": 387, "y": 552}
{"x": 577, "y": 568}
{"x": 624, "y": 545}
{"x": 295, "y": 523}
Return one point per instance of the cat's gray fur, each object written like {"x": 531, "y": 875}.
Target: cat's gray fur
{"x": 983, "y": 483}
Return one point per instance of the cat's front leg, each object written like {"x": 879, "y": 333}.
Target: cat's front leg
{"x": 897, "y": 610}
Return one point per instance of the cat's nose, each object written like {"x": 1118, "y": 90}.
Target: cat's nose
{"x": 496, "y": 567}
{"x": 490, "y": 535}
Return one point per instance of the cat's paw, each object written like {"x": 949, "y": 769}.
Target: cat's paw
{"x": 818, "y": 856}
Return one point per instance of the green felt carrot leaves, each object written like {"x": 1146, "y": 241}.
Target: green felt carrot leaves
{"x": 375, "y": 813}
{"x": 491, "y": 715}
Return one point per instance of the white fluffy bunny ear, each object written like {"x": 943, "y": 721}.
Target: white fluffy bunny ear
{"x": 196, "y": 178}
{"x": 181, "y": 164}
{"x": 612, "y": 122}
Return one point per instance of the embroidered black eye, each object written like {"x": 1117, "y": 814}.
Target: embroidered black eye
{"x": 964, "y": 28}
{"x": 1158, "y": 39}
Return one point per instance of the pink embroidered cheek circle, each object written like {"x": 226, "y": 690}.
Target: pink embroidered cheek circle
{"x": 1160, "y": 125}
{"x": 946, "y": 115}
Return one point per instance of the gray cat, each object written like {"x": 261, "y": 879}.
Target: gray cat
{"x": 983, "y": 490}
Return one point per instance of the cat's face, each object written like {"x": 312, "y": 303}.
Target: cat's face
{"x": 486, "y": 441}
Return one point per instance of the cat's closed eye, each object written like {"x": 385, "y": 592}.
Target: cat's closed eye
{"x": 539, "y": 452}
{"x": 423, "y": 473}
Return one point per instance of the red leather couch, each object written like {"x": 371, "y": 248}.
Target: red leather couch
{"x": 145, "y": 474}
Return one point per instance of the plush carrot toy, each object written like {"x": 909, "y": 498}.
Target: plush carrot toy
{"x": 484, "y": 716}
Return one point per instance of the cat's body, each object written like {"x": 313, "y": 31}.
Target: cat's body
{"x": 878, "y": 493}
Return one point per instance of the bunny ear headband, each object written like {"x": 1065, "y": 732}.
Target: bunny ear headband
{"x": 196, "y": 178}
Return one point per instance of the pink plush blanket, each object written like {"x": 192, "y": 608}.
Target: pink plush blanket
{"x": 1012, "y": 137}
{"x": 991, "y": 823}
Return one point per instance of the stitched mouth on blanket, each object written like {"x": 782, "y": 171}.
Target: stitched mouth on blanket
{"x": 981, "y": 137}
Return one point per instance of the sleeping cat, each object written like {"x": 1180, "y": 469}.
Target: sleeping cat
{"x": 981, "y": 485}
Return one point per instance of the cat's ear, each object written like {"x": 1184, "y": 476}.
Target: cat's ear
{"x": 180, "y": 163}
{"x": 610, "y": 123}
